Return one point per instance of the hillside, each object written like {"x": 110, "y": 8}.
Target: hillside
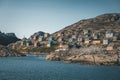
{"x": 105, "y": 21}
{"x": 7, "y": 38}
{"x": 93, "y": 41}
{"x": 6, "y": 52}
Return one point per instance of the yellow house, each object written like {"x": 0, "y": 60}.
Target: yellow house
{"x": 96, "y": 41}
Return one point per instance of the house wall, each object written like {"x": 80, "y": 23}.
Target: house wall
{"x": 105, "y": 41}
{"x": 109, "y": 48}
{"x": 96, "y": 42}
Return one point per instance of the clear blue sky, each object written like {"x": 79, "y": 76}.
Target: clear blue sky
{"x": 24, "y": 17}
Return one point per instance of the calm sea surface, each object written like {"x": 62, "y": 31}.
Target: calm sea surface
{"x": 36, "y": 68}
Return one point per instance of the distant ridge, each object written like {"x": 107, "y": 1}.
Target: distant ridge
{"x": 7, "y": 38}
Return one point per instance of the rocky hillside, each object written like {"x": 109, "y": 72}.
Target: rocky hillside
{"x": 90, "y": 55}
{"x": 7, "y": 38}
{"x": 102, "y": 54}
{"x": 105, "y": 21}
{"x": 5, "y": 52}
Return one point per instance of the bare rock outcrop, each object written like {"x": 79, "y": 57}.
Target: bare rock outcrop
{"x": 5, "y": 52}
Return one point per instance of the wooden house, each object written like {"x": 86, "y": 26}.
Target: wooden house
{"x": 86, "y": 40}
{"x": 80, "y": 39}
{"x": 25, "y": 42}
{"x": 60, "y": 39}
{"x": 51, "y": 38}
{"x": 41, "y": 38}
{"x": 105, "y": 41}
{"x": 95, "y": 35}
{"x": 62, "y": 47}
{"x": 96, "y": 41}
{"x": 86, "y": 31}
{"x": 28, "y": 43}
{"x": 46, "y": 35}
{"x": 74, "y": 36}
{"x": 71, "y": 40}
{"x": 59, "y": 34}
{"x": 109, "y": 34}
{"x": 86, "y": 35}
{"x": 36, "y": 44}
{"x": 35, "y": 38}
{"x": 110, "y": 47}
{"x": 49, "y": 43}
{"x": 114, "y": 38}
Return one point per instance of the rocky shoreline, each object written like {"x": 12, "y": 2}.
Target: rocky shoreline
{"x": 6, "y": 52}
{"x": 105, "y": 58}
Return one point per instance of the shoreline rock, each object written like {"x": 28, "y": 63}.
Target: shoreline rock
{"x": 5, "y": 52}
{"x": 93, "y": 59}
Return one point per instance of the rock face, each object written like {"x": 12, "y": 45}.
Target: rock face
{"x": 7, "y": 38}
{"x": 5, "y": 52}
{"x": 99, "y": 57}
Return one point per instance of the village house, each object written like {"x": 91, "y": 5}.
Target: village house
{"x": 105, "y": 41}
{"x": 71, "y": 40}
{"x": 49, "y": 43}
{"x": 28, "y": 43}
{"x": 96, "y": 41}
{"x": 110, "y": 47}
{"x": 36, "y": 44}
{"x": 46, "y": 35}
{"x": 80, "y": 39}
{"x": 41, "y": 38}
{"x": 86, "y": 40}
{"x": 62, "y": 47}
{"x": 86, "y": 31}
{"x": 95, "y": 35}
{"x": 60, "y": 39}
{"x": 35, "y": 37}
{"x": 74, "y": 36}
{"x": 109, "y": 34}
{"x": 86, "y": 35}
{"x": 114, "y": 38}
{"x": 25, "y": 42}
{"x": 59, "y": 34}
{"x": 51, "y": 38}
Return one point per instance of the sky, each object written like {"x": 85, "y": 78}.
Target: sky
{"x": 25, "y": 17}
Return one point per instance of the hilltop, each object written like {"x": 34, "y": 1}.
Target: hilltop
{"x": 104, "y": 21}
{"x": 7, "y": 38}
